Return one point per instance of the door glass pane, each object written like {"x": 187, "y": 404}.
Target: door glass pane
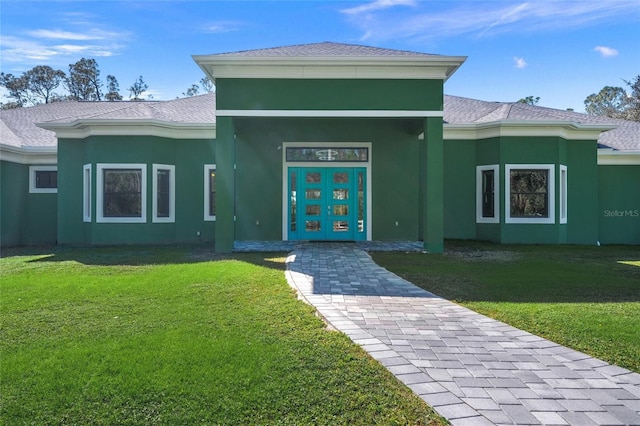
{"x": 340, "y": 177}
{"x": 313, "y": 210}
{"x": 360, "y": 202}
{"x": 312, "y": 226}
{"x": 340, "y": 194}
{"x": 292, "y": 195}
{"x": 313, "y": 177}
{"x": 313, "y": 194}
{"x": 340, "y": 226}
{"x": 341, "y": 210}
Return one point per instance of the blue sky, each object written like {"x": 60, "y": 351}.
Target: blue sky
{"x": 561, "y": 51}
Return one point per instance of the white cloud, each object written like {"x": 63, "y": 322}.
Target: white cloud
{"x": 377, "y": 5}
{"x": 429, "y": 20}
{"x": 221, "y": 27}
{"x": 520, "y": 62}
{"x": 606, "y": 51}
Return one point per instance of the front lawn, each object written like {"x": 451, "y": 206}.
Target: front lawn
{"x": 173, "y": 336}
{"x": 587, "y": 298}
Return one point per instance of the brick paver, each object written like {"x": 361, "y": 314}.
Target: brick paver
{"x": 470, "y": 368}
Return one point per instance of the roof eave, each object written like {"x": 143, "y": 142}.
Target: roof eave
{"x": 80, "y": 129}
{"x": 522, "y": 128}
{"x": 318, "y": 67}
{"x": 34, "y": 155}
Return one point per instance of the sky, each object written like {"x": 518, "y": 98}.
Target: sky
{"x": 560, "y": 51}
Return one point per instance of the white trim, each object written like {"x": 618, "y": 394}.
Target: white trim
{"x": 29, "y": 155}
{"x": 564, "y": 129}
{"x": 326, "y": 113}
{"x": 172, "y": 193}
{"x": 551, "y": 194}
{"x": 330, "y": 67}
{"x": 83, "y": 128}
{"x": 609, "y": 157}
{"x": 563, "y": 207}
{"x": 86, "y": 193}
{"x": 33, "y": 189}
{"x": 285, "y": 179}
{"x": 100, "y": 167}
{"x": 207, "y": 170}
{"x": 496, "y": 194}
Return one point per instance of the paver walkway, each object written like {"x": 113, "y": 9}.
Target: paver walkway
{"x": 472, "y": 369}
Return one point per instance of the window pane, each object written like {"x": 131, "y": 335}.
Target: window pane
{"x": 340, "y": 194}
{"x": 488, "y": 193}
{"x": 122, "y": 193}
{"x": 313, "y": 177}
{"x": 328, "y": 154}
{"x": 313, "y": 194}
{"x": 163, "y": 193}
{"x": 360, "y": 202}
{"x": 340, "y": 226}
{"x": 46, "y": 179}
{"x": 212, "y": 193}
{"x": 341, "y": 210}
{"x": 312, "y": 226}
{"x": 340, "y": 177}
{"x": 293, "y": 211}
{"x": 529, "y": 193}
{"x": 313, "y": 210}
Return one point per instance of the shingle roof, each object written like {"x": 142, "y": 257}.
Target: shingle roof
{"x": 458, "y": 110}
{"x": 18, "y": 129}
{"x": 324, "y": 49}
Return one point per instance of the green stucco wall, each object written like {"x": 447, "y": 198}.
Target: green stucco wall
{"x": 334, "y": 94}
{"x": 188, "y": 157}
{"x": 259, "y": 174}
{"x": 25, "y": 218}
{"x": 580, "y": 157}
{"x": 619, "y": 204}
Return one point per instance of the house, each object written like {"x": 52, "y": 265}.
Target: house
{"x": 313, "y": 142}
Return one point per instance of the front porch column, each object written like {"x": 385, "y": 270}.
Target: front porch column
{"x": 225, "y": 160}
{"x": 432, "y": 160}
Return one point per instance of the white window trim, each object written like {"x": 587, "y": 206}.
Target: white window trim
{"x": 86, "y": 193}
{"x": 496, "y": 194}
{"x": 207, "y": 170}
{"x": 551, "y": 194}
{"x": 564, "y": 206}
{"x": 100, "y": 189}
{"x": 172, "y": 194}
{"x": 32, "y": 179}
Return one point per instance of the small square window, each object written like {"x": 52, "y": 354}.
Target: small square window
{"x": 121, "y": 193}
{"x": 43, "y": 179}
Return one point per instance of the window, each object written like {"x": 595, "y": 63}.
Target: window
{"x": 164, "y": 183}
{"x": 530, "y": 197}
{"x": 209, "y": 192}
{"x": 487, "y": 194}
{"x": 337, "y": 154}
{"x": 563, "y": 194}
{"x": 86, "y": 193}
{"x": 43, "y": 179}
{"x": 122, "y": 193}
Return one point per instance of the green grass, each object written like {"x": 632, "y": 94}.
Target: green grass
{"x": 586, "y": 298}
{"x": 172, "y": 336}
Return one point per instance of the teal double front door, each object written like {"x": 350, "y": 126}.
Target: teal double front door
{"x": 327, "y": 203}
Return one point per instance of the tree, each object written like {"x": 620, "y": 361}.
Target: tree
{"x": 17, "y": 87}
{"x": 42, "y": 80}
{"x": 609, "y": 102}
{"x": 137, "y": 89}
{"x": 114, "y": 89}
{"x": 32, "y": 87}
{"x": 192, "y": 91}
{"x": 84, "y": 82}
{"x": 530, "y": 100}
{"x": 633, "y": 102}
{"x": 615, "y": 102}
{"x": 207, "y": 85}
